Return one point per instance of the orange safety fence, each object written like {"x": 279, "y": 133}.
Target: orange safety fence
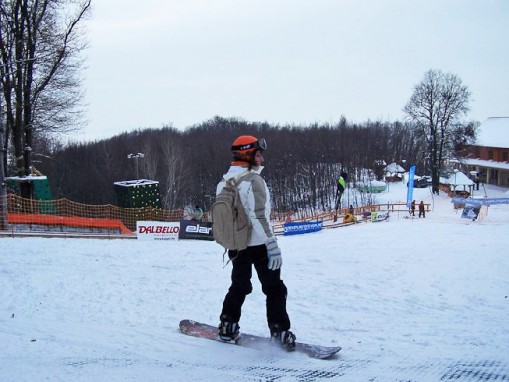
{"x": 68, "y": 221}
{"x": 66, "y": 213}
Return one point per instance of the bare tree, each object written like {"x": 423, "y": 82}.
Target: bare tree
{"x": 175, "y": 173}
{"x": 151, "y": 161}
{"x": 40, "y": 43}
{"x": 436, "y": 106}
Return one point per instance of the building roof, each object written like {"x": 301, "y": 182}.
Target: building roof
{"x": 393, "y": 167}
{"x": 494, "y": 132}
{"x": 457, "y": 179}
{"x": 136, "y": 183}
{"x": 485, "y": 163}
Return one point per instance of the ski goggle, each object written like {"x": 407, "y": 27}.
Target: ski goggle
{"x": 260, "y": 144}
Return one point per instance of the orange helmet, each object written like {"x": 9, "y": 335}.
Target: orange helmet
{"x": 245, "y": 147}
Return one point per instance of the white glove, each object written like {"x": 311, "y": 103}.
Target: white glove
{"x": 274, "y": 254}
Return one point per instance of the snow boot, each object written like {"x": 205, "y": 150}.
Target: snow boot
{"x": 228, "y": 331}
{"x": 285, "y": 338}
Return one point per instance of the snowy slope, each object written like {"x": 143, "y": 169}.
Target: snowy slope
{"x": 407, "y": 299}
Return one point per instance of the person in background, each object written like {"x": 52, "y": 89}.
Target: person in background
{"x": 262, "y": 252}
{"x": 350, "y": 217}
{"x": 340, "y": 189}
{"x": 422, "y": 209}
{"x": 412, "y": 208}
{"x": 197, "y": 213}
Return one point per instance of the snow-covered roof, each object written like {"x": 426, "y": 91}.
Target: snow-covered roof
{"x": 457, "y": 179}
{"x": 27, "y": 178}
{"x": 135, "y": 183}
{"x": 485, "y": 163}
{"x": 494, "y": 132}
{"x": 393, "y": 167}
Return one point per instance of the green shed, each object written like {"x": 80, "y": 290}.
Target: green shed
{"x": 138, "y": 193}
{"x": 40, "y": 190}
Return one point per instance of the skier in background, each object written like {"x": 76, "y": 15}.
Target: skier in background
{"x": 341, "y": 185}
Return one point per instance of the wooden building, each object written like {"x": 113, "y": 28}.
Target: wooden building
{"x": 488, "y": 160}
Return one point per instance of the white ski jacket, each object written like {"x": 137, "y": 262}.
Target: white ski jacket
{"x": 255, "y": 198}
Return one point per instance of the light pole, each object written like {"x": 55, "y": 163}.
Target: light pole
{"x": 3, "y": 185}
{"x": 136, "y": 157}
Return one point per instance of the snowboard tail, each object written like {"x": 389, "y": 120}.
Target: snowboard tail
{"x": 197, "y": 329}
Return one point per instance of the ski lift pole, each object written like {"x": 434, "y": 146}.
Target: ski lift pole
{"x": 3, "y": 185}
{"x": 3, "y": 199}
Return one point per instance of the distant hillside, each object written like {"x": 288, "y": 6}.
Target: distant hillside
{"x": 302, "y": 162}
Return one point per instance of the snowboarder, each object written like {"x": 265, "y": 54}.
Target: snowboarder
{"x": 262, "y": 251}
{"x": 341, "y": 185}
{"x": 422, "y": 209}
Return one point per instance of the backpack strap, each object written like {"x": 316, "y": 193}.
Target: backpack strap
{"x": 229, "y": 260}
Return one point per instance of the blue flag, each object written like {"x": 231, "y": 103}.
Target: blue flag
{"x": 410, "y": 192}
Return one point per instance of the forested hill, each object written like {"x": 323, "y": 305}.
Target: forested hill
{"x": 301, "y": 163}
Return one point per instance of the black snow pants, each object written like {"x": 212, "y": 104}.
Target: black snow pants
{"x": 272, "y": 286}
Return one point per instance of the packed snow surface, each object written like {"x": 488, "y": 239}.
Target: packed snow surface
{"x": 407, "y": 299}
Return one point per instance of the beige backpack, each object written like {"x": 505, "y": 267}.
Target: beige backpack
{"x": 230, "y": 225}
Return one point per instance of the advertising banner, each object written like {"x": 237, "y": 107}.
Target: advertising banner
{"x": 148, "y": 230}
{"x": 470, "y": 212}
{"x": 379, "y": 216}
{"x": 302, "y": 227}
{"x": 480, "y": 202}
{"x": 195, "y": 230}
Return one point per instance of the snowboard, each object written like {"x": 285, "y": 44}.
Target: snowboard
{"x": 197, "y": 329}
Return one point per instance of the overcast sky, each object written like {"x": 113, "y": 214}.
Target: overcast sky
{"x": 182, "y": 62}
